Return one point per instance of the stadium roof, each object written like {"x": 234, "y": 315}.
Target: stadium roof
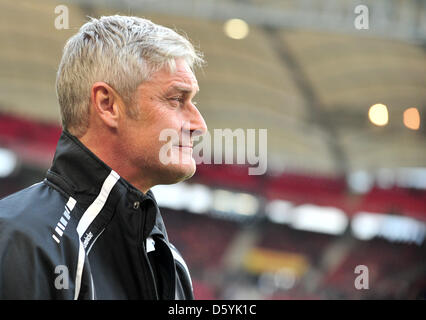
{"x": 310, "y": 87}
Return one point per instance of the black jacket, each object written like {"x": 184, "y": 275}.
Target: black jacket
{"x": 85, "y": 233}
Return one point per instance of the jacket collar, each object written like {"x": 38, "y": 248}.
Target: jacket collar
{"x": 79, "y": 173}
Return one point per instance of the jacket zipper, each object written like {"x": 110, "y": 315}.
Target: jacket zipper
{"x": 87, "y": 253}
{"x": 141, "y": 239}
{"x": 151, "y": 271}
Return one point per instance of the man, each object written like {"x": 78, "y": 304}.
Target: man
{"x": 92, "y": 229}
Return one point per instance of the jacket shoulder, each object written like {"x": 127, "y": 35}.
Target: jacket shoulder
{"x": 31, "y": 207}
{"x": 28, "y": 253}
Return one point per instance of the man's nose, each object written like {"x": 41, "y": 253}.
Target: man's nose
{"x": 197, "y": 125}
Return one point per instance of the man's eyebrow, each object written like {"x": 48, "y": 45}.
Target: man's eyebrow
{"x": 184, "y": 89}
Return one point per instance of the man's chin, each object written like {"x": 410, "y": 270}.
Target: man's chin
{"x": 180, "y": 172}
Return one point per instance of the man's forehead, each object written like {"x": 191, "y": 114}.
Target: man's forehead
{"x": 181, "y": 79}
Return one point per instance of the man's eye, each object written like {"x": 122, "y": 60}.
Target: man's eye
{"x": 179, "y": 99}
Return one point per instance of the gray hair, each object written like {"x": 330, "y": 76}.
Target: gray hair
{"x": 120, "y": 51}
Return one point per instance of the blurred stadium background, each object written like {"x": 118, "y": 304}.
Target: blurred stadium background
{"x": 340, "y": 190}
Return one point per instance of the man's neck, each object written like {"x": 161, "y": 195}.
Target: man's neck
{"x": 116, "y": 160}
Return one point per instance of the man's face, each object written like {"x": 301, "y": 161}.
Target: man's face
{"x": 164, "y": 103}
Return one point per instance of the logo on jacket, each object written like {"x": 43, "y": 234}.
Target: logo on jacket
{"x": 62, "y": 223}
{"x": 87, "y": 238}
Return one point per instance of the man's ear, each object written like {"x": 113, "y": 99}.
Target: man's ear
{"x": 105, "y": 101}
